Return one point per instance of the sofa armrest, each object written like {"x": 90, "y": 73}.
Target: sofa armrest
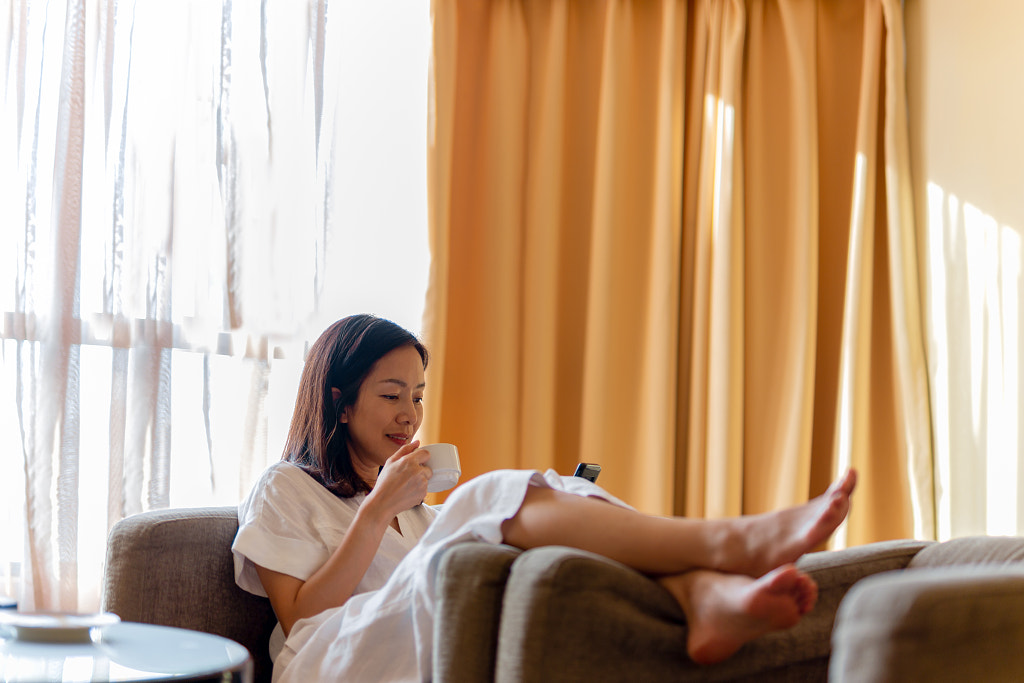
{"x": 175, "y": 568}
{"x": 470, "y": 584}
{"x": 571, "y": 615}
{"x": 935, "y": 624}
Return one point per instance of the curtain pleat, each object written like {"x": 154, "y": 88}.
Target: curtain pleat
{"x": 254, "y": 433}
{"x": 905, "y": 282}
{"x": 59, "y": 407}
{"x": 541, "y": 203}
{"x": 440, "y": 155}
{"x": 117, "y": 494}
{"x": 882, "y": 425}
{"x": 227, "y": 170}
{"x": 836, "y": 72}
{"x": 712, "y": 339}
{"x": 633, "y": 259}
{"x": 864, "y": 409}
{"x": 67, "y": 485}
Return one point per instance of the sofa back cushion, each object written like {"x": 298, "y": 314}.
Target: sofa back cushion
{"x": 175, "y": 568}
{"x": 973, "y": 550}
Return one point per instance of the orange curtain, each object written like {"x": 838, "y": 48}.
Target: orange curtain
{"x": 671, "y": 238}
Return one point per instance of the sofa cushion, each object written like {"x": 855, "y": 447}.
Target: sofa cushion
{"x": 973, "y": 550}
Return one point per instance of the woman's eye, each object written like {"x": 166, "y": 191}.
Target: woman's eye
{"x": 390, "y": 397}
{"x": 417, "y": 399}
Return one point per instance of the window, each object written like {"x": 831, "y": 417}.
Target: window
{"x": 250, "y": 172}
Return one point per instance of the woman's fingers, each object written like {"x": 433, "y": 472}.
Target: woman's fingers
{"x": 404, "y": 477}
{"x": 405, "y": 450}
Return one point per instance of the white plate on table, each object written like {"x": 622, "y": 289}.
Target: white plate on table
{"x": 55, "y": 627}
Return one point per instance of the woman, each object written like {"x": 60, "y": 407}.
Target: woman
{"x": 337, "y": 536}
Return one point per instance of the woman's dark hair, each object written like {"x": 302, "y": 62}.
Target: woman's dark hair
{"x": 341, "y": 358}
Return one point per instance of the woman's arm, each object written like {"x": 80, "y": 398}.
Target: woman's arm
{"x": 333, "y": 584}
{"x": 401, "y": 486}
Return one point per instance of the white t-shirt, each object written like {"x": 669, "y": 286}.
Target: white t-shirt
{"x": 291, "y": 524}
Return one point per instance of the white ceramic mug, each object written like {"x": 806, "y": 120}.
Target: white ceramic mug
{"x": 444, "y": 462}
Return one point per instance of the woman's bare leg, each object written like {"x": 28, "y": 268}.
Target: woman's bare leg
{"x": 752, "y": 545}
{"x": 725, "y": 611}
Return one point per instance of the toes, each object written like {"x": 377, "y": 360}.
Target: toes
{"x": 808, "y": 596}
{"x": 783, "y": 579}
{"x": 790, "y": 581}
{"x": 845, "y": 484}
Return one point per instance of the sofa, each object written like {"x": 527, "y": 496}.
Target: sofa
{"x": 890, "y": 611}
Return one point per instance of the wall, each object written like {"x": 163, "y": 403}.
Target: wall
{"x": 965, "y": 73}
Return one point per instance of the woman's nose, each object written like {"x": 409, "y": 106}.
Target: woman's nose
{"x": 407, "y": 413}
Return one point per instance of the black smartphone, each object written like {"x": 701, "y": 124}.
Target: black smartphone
{"x": 587, "y": 470}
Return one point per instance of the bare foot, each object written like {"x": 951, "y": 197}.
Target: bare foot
{"x": 725, "y": 611}
{"x": 756, "y": 544}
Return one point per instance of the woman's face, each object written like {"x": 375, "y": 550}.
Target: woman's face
{"x": 387, "y": 412}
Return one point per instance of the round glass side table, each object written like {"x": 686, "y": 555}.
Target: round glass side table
{"x": 125, "y": 651}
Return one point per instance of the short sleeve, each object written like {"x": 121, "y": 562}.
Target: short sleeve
{"x": 278, "y": 527}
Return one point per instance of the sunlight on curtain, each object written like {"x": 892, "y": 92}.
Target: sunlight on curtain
{"x": 189, "y": 193}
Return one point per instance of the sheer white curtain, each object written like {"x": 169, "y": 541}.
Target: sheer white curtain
{"x": 189, "y": 192}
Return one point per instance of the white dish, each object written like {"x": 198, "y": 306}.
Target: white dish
{"x": 55, "y": 627}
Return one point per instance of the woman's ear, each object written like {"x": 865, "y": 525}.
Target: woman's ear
{"x": 336, "y": 396}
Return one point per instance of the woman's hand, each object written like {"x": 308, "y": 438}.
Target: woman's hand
{"x": 402, "y": 483}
